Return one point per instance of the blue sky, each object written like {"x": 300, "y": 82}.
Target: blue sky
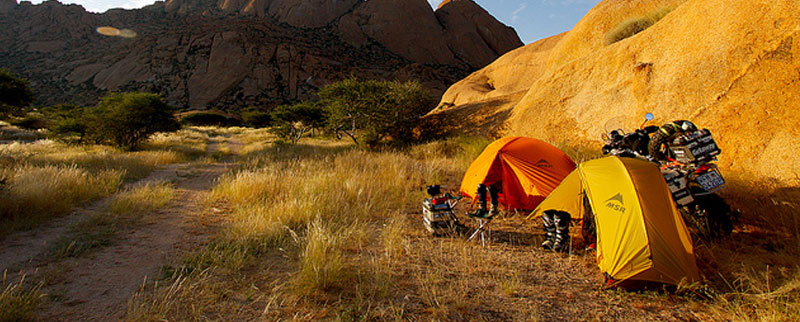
{"x": 533, "y": 19}
{"x": 536, "y": 19}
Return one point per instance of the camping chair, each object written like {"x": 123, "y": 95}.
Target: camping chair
{"x": 484, "y": 218}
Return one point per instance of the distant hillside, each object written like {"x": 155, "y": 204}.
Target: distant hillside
{"x": 732, "y": 66}
{"x": 237, "y": 53}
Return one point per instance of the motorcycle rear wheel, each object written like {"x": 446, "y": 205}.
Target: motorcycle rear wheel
{"x": 709, "y": 218}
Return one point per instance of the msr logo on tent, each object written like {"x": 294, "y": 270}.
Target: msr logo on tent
{"x": 619, "y": 205}
{"x": 543, "y": 164}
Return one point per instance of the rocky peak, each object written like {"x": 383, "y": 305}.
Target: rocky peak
{"x": 203, "y": 53}
{"x": 473, "y": 33}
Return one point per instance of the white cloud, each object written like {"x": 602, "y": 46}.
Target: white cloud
{"x": 515, "y": 14}
{"x": 570, "y": 2}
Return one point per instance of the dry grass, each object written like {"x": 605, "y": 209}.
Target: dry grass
{"x": 756, "y": 270}
{"x": 189, "y": 143}
{"x": 46, "y": 179}
{"x": 18, "y": 301}
{"x": 94, "y": 159}
{"x": 142, "y": 199}
{"x": 10, "y": 132}
{"x": 633, "y": 26}
{"x": 33, "y": 194}
{"x": 322, "y": 231}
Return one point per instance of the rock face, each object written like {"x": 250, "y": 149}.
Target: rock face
{"x": 473, "y": 33}
{"x": 239, "y": 53}
{"x": 7, "y": 5}
{"x": 732, "y": 66}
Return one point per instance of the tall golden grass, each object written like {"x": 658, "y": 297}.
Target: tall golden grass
{"x": 46, "y": 179}
{"x": 189, "y": 143}
{"x": 33, "y": 194}
{"x": 142, "y": 199}
{"x": 324, "y": 231}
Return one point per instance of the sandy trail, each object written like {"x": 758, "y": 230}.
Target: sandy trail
{"x": 97, "y": 287}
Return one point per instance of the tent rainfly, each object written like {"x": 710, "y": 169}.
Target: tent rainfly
{"x": 528, "y": 169}
{"x": 641, "y": 237}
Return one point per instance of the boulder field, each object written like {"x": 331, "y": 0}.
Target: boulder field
{"x": 732, "y": 66}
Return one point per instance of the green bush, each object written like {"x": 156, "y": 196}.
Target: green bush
{"x": 375, "y": 113}
{"x": 15, "y": 93}
{"x": 31, "y": 121}
{"x": 209, "y": 118}
{"x": 290, "y": 122}
{"x": 632, "y": 26}
{"x": 257, "y": 119}
{"x": 127, "y": 119}
{"x": 67, "y": 122}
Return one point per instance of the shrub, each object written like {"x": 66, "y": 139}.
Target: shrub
{"x": 290, "y": 122}
{"x": 31, "y": 121}
{"x": 15, "y": 93}
{"x": 67, "y": 122}
{"x": 375, "y": 112}
{"x": 632, "y": 26}
{"x": 127, "y": 119}
{"x": 208, "y": 118}
{"x": 257, "y": 119}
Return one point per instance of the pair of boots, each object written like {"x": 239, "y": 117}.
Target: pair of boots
{"x": 493, "y": 191}
{"x": 556, "y": 225}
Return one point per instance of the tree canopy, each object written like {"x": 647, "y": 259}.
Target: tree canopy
{"x": 15, "y": 93}
{"x": 127, "y": 119}
{"x": 292, "y": 121}
{"x": 375, "y": 112}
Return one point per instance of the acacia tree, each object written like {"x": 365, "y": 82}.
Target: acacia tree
{"x": 67, "y": 122}
{"x": 371, "y": 112}
{"x": 15, "y": 93}
{"x": 291, "y": 122}
{"x": 127, "y": 119}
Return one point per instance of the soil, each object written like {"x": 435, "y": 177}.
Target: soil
{"x": 97, "y": 287}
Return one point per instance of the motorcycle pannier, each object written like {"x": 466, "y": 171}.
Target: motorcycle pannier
{"x": 697, "y": 146}
{"x": 436, "y": 214}
{"x": 678, "y": 186}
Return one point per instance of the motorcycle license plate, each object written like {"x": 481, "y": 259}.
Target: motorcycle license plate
{"x": 711, "y": 181}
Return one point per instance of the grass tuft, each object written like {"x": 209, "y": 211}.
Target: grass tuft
{"x": 632, "y": 26}
{"x": 143, "y": 199}
{"x": 322, "y": 264}
{"x": 18, "y": 302}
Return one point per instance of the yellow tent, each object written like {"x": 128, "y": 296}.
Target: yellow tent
{"x": 641, "y": 237}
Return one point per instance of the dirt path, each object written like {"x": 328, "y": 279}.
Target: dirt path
{"x": 97, "y": 287}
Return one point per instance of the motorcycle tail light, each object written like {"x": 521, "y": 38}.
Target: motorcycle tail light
{"x": 702, "y": 169}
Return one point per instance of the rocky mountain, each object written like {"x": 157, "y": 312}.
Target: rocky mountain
{"x": 238, "y": 53}
{"x": 732, "y": 66}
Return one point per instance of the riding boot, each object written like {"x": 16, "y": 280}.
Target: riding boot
{"x": 482, "y": 198}
{"x": 493, "y": 194}
{"x": 562, "y": 220}
{"x": 550, "y": 229}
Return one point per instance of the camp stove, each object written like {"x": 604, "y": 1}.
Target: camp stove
{"x": 438, "y": 212}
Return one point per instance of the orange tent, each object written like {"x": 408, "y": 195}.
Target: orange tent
{"x": 529, "y": 169}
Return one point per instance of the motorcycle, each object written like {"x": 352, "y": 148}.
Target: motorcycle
{"x": 686, "y": 160}
{"x": 629, "y": 145}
